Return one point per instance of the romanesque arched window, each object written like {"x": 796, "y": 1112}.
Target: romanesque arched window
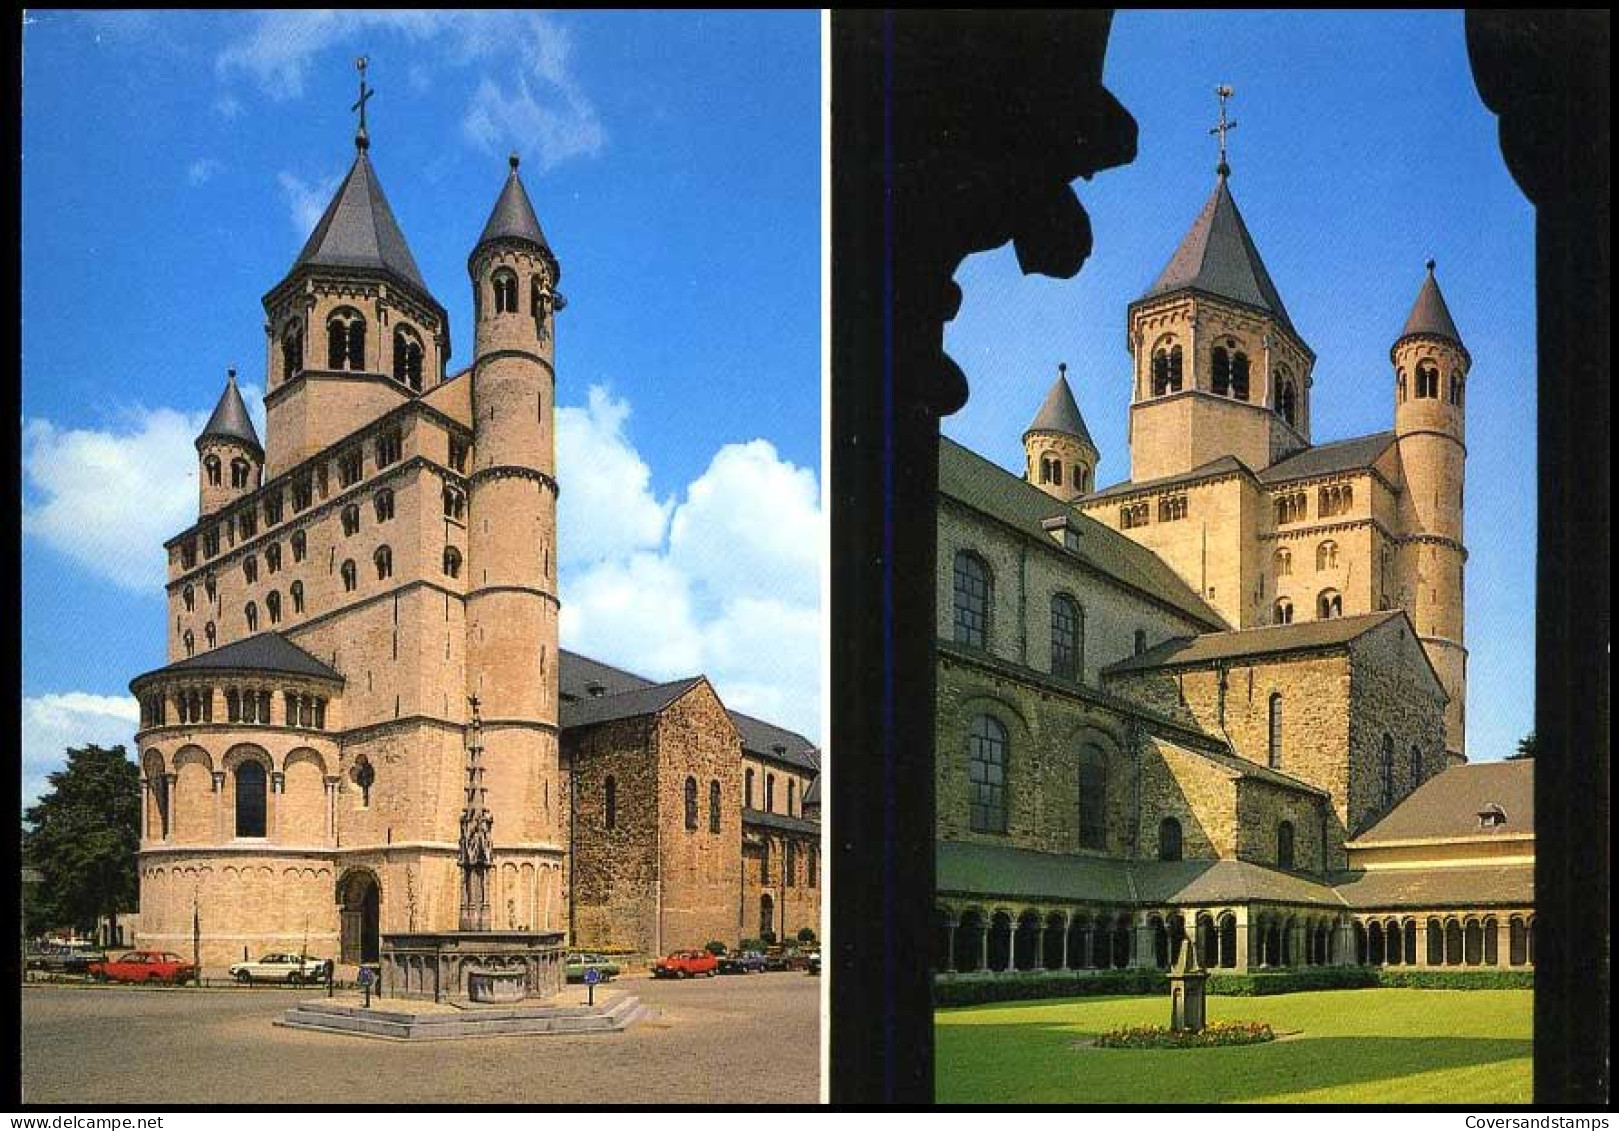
{"x": 1045, "y": 469}
{"x": 345, "y": 340}
{"x": 1092, "y": 797}
{"x": 747, "y": 789}
{"x": 1169, "y": 839}
{"x": 792, "y": 793}
{"x": 408, "y": 357}
{"x": 1160, "y": 373}
{"x": 537, "y": 304}
{"x": 1416, "y": 767}
{"x": 384, "y": 558}
{"x": 1385, "y": 773}
{"x": 455, "y": 504}
{"x": 272, "y": 557}
{"x": 189, "y": 595}
{"x": 691, "y": 803}
{"x": 190, "y": 643}
{"x": 297, "y": 596}
{"x": 385, "y": 504}
{"x": 272, "y": 606}
{"x": 986, "y": 775}
{"x": 1064, "y": 637}
{"x": 300, "y": 545}
{"x": 504, "y": 282}
{"x": 292, "y": 350}
{"x": 714, "y": 806}
{"x": 764, "y": 862}
{"x": 1220, "y": 371}
{"x": 252, "y": 615}
{"x": 213, "y": 468}
{"x": 211, "y": 633}
{"x": 1286, "y": 396}
{"x": 1329, "y": 603}
{"x": 1274, "y": 746}
{"x": 1284, "y": 845}
{"x": 972, "y": 594}
{"x": 350, "y": 576}
{"x": 1174, "y": 369}
{"x": 250, "y": 569}
{"x": 1326, "y": 555}
{"x": 364, "y": 776}
{"x": 452, "y": 562}
{"x": 251, "y": 798}
{"x": 1239, "y": 376}
{"x": 351, "y": 520}
{"x": 1282, "y": 611}
{"x": 1456, "y": 389}
{"x": 1427, "y": 380}
{"x": 240, "y": 469}
{"x": 610, "y": 802}
{"x": 389, "y": 447}
{"x": 1282, "y": 562}
{"x": 790, "y": 865}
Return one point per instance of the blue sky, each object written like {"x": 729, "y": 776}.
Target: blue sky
{"x": 1361, "y": 149}
{"x": 173, "y": 166}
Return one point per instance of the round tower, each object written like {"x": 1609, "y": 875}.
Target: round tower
{"x": 230, "y": 459}
{"x": 1062, "y": 457}
{"x": 1430, "y": 389}
{"x": 511, "y": 603}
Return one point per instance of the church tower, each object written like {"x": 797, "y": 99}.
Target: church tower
{"x": 1217, "y": 366}
{"x": 511, "y": 601}
{"x": 1062, "y": 457}
{"x": 230, "y": 457}
{"x": 1430, "y": 374}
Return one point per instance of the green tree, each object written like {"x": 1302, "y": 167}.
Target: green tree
{"x": 1526, "y": 747}
{"x": 82, "y": 836}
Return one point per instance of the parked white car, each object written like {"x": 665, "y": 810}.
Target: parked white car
{"x": 289, "y": 968}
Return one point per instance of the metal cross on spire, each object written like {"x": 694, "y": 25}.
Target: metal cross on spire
{"x": 362, "y": 140}
{"x": 1223, "y": 92}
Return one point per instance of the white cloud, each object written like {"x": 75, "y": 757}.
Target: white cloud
{"x": 202, "y": 170}
{"x": 52, "y": 723}
{"x": 607, "y": 509}
{"x": 227, "y": 106}
{"x": 527, "y": 96}
{"x": 306, "y": 202}
{"x": 108, "y": 498}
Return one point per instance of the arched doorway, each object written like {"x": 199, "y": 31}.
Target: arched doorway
{"x": 359, "y": 901}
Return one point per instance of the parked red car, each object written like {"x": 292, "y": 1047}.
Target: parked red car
{"x": 686, "y": 964}
{"x": 144, "y": 966}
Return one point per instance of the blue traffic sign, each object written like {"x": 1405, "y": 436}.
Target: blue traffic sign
{"x": 592, "y": 977}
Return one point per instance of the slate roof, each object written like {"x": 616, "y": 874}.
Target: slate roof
{"x": 780, "y": 821}
{"x": 579, "y": 672}
{"x": 1019, "y": 873}
{"x": 625, "y": 705}
{"x": 358, "y": 229}
{"x": 1060, "y": 413}
{"x": 1353, "y": 454}
{"x": 266, "y": 652}
{"x": 1253, "y": 642}
{"x": 1218, "y": 257}
{"x": 1448, "y": 804}
{"x": 1416, "y": 888}
{"x": 1429, "y": 314}
{"x": 513, "y": 216}
{"x": 812, "y": 792}
{"x": 1225, "y": 465}
{"x": 992, "y": 490}
{"x": 230, "y": 419}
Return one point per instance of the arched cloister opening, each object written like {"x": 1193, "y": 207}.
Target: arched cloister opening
{"x": 969, "y": 948}
{"x": 1054, "y": 942}
{"x": 1079, "y": 942}
{"x": 1228, "y": 941}
{"x": 1000, "y": 941}
{"x": 1453, "y": 943}
{"x": 1026, "y": 941}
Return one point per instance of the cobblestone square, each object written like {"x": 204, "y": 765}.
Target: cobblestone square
{"x": 734, "y": 1040}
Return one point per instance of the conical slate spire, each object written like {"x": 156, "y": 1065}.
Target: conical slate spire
{"x": 1218, "y": 257}
{"x": 513, "y": 216}
{"x": 1430, "y": 316}
{"x": 1060, "y": 412}
{"x": 358, "y": 229}
{"x": 230, "y": 420}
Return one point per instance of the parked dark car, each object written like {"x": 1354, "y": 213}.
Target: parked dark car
{"x": 743, "y": 962}
{"x": 64, "y": 958}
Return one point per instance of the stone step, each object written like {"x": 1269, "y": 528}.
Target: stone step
{"x": 614, "y": 1015}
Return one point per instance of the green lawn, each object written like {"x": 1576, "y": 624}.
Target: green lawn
{"x": 1354, "y": 1046}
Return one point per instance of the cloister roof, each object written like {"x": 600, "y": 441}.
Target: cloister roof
{"x": 780, "y": 821}
{"x": 1448, "y": 804}
{"x": 1498, "y": 885}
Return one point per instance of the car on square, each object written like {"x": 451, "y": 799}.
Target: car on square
{"x": 743, "y": 962}
{"x": 686, "y": 964}
{"x": 289, "y": 968}
{"x": 142, "y": 966}
{"x": 575, "y": 966}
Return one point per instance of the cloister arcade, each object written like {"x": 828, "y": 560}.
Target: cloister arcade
{"x": 1446, "y": 939}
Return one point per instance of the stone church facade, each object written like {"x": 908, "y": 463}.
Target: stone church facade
{"x": 1205, "y": 702}
{"x": 385, "y": 555}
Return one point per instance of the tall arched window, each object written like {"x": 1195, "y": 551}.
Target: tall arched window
{"x": 1174, "y": 369}
{"x": 408, "y": 358}
{"x": 189, "y": 595}
{"x": 350, "y": 576}
{"x": 1385, "y": 773}
{"x": 790, "y": 869}
{"x": 714, "y": 806}
{"x": 240, "y": 469}
{"x": 251, "y": 799}
{"x": 986, "y": 775}
{"x": 1169, "y": 839}
{"x": 505, "y": 284}
{"x": 455, "y": 504}
{"x": 297, "y": 596}
{"x": 610, "y": 802}
{"x": 452, "y": 562}
{"x": 1456, "y": 389}
{"x": 1326, "y": 555}
{"x": 1064, "y": 637}
{"x": 1239, "y": 376}
{"x": 1282, "y": 611}
{"x": 1141, "y": 641}
{"x": 691, "y": 803}
{"x": 1329, "y": 604}
{"x": 972, "y": 592}
{"x": 292, "y": 350}
{"x": 770, "y": 793}
{"x": 1166, "y": 371}
{"x": 1284, "y": 845}
{"x": 252, "y": 614}
{"x": 272, "y": 605}
{"x": 272, "y": 557}
{"x": 385, "y": 504}
{"x": 300, "y": 545}
{"x": 747, "y": 789}
{"x": 1416, "y": 767}
{"x": 792, "y": 793}
{"x": 351, "y": 520}
{"x": 1282, "y": 561}
{"x": 211, "y": 633}
{"x": 1427, "y": 381}
{"x": 1220, "y": 371}
{"x": 384, "y": 557}
{"x": 190, "y": 643}
{"x": 1092, "y": 797}
{"x": 1275, "y": 745}
{"x": 213, "y": 467}
{"x": 345, "y": 340}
